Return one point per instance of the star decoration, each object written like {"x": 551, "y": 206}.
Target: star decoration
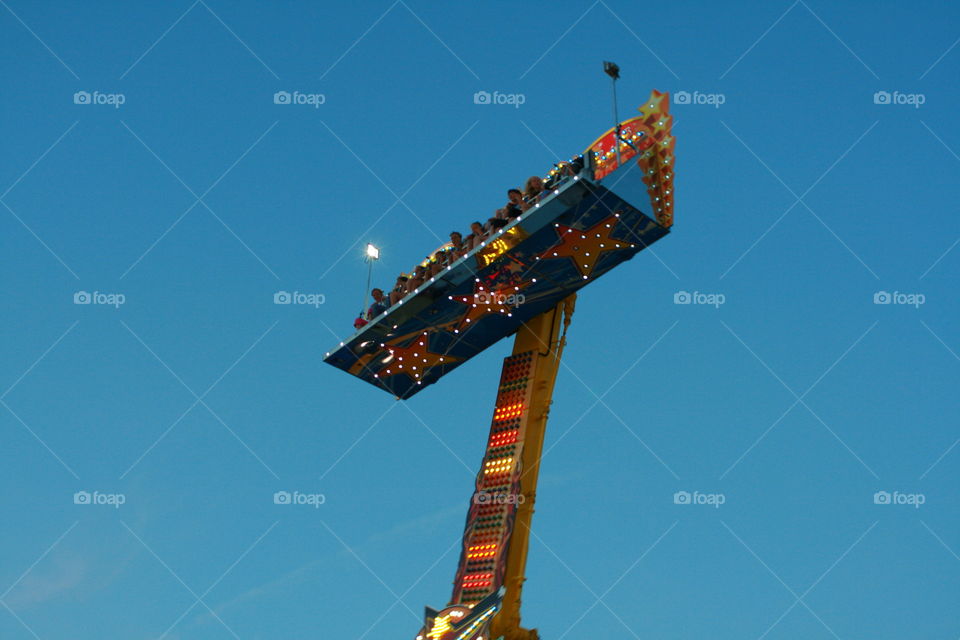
{"x": 415, "y": 359}
{"x": 515, "y": 267}
{"x": 585, "y": 247}
{"x": 485, "y": 301}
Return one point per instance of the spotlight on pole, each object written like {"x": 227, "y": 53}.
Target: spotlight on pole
{"x": 372, "y": 254}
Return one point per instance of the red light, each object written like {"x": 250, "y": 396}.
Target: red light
{"x": 475, "y": 580}
{"x": 503, "y": 438}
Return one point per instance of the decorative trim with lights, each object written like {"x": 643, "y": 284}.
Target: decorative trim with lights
{"x": 497, "y": 494}
{"x": 649, "y": 137}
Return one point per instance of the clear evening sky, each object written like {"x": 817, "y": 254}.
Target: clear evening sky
{"x": 145, "y": 158}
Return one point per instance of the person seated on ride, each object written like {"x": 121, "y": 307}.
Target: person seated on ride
{"x": 562, "y": 172}
{"x": 473, "y": 240}
{"x": 359, "y": 323}
{"x": 555, "y": 177}
{"x": 516, "y": 206}
{"x": 436, "y": 264}
{"x": 419, "y": 275}
{"x": 451, "y": 252}
{"x": 443, "y": 257}
{"x": 534, "y": 189}
{"x": 456, "y": 246}
{"x": 380, "y": 304}
{"x": 399, "y": 290}
{"x": 498, "y": 214}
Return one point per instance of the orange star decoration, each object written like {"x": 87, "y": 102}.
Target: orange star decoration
{"x": 415, "y": 360}
{"x": 585, "y": 247}
{"x": 485, "y": 301}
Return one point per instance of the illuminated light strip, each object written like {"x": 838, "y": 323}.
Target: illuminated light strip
{"x": 476, "y": 623}
{"x": 508, "y": 411}
{"x": 498, "y": 247}
{"x": 488, "y": 524}
{"x": 474, "y": 580}
{"x": 482, "y": 551}
{"x": 477, "y": 576}
{"x": 441, "y": 626}
{"x": 498, "y": 465}
{"x": 503, "y": 438}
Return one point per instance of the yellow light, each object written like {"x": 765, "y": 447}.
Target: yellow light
{"x": 501, "y": 245}
{"x": 482, "y": 551}
{"x": 497, "y": 465}
{"x": 507, "y": 412}
{"x": 441, "y": 626}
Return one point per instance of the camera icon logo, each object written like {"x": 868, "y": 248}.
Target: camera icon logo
{"x": 281, "y": 497}
{"x": 81, "y": 497}
{"x": 482, "y": 97}
{"x": 681, "y": 497}
{"x": 882, "y": 297}
{"x": 682, "y": 297}
{"x": 881, "y": 97}
{"x": 81, "y": 297}
{"x": 281, "y": 97}
{"x": 881, "y": 497}
{"x": 282, "y": 297}
{"x": 81, "y": 97}
{"x": 681, "y": 97}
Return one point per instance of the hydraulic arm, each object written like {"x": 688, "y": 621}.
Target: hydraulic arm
{"x": 489, "y": 580}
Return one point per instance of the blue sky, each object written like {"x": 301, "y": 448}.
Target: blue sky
{"x": 800, "y": 198}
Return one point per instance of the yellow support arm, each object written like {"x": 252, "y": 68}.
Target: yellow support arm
{"x": 545, "y": 334}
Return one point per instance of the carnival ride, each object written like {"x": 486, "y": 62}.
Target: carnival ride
{"x": 521, "y": 281}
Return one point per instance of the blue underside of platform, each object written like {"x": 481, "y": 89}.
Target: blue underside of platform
{"x": 519, "y": 263}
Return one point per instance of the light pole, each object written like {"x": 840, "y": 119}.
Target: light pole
{"x": 612, "y": 70}
{"x": 372, "y": 254}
